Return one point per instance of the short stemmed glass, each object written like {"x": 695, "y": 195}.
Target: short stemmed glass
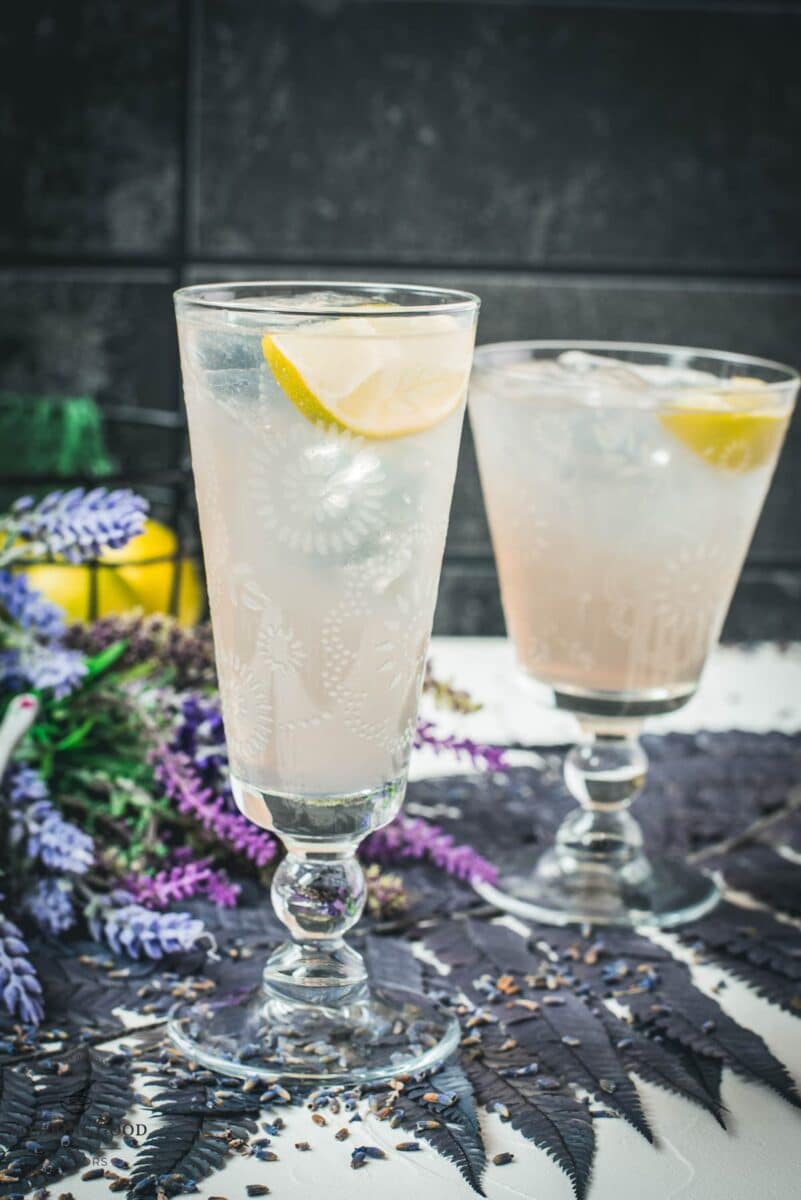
{"x": 622, "y": 484}
{"x": 324, "y": 422}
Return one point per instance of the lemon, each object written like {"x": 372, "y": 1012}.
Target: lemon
{"x": 373, "y": 378}
{"x": 738, "y": 435}
{"x": 138, "y": 575}
{"x": 147, "y": 567}
{"x": 69, "y": 586}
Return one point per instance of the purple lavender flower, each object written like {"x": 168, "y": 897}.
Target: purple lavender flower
{"x": 200, "y": 735}
{"x": 24, "y": 785}
{"x": 20, "y": 989}
{"x": 28, "y": 608}
{"x": 482, "y": 757}
{"x": 414, "y": 837}
{"x": 186, "y": 877}
{"x": 49, "y": 904}
{"x": 50, "y": 667}
{"x": 58, "y": 844}
{"x": 131, "y": 929}
{"x": 80, "y": 524}
{"x": 175, "y": 773}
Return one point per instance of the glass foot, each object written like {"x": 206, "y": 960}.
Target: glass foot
{"x": 660, "y": 892}
{"x": 376, "y": 1035}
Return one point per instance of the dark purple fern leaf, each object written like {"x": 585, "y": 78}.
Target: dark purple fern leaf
{"x": 682, "y": 1012}
{"x": 566, "y": 1033}
{"x": 708, "y": 1072}
{"x": 554, "y": 1121}
{"x": 765, "y": 875}
{"x": 750, "y": 935}
{"x": 191, "y": 1143}
{"x": 458, "y": 1137}
{"x": 667, "y": 1068}
{"x": 17, "y": 1108}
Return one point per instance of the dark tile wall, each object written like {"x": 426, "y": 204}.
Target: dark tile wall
{"x": 592, "y": 170}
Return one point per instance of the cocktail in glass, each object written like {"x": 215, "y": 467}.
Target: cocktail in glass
{"x": 325, "y": 422}
{"x": 622, "y": 485}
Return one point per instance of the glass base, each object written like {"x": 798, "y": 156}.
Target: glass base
{"x": 376, "y": 1035}
{"x": 660, "y": 892}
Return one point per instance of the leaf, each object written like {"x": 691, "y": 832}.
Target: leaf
{"x": 653, "y": 1062}
{"x": 754, "y": 947}
{"x": 766, "y": 875}
{"x": 81, "y": 1096}
{"x": 190, "y": 1143}
{"x": 77, "y": 735}
{"x": 17, "y": 1107}
{"x": 751, "y": 935}
{"x": 566, "y": 1032}
{"x": 105, "y": 659}
{"x": 690, "y": 1017}
{"x": 554, "y": 1121}
{"x": 707, "y": 1071}
{"x": 458, "y": 1137}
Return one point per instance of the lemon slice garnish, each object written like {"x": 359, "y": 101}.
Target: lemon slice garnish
{"x": 375, "y": 378}
{"x": 730, "y": 429}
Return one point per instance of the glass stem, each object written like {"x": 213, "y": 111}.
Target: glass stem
{"x": 605, "y": 771}
{"x": 319, "y": 895}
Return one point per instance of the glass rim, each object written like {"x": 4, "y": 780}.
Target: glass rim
{"x": 440, "y": 300}
{"x": 791, "y": 376}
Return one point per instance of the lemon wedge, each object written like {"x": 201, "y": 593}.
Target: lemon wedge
{"x": 738, "y": 434}
{"x": 373, "y": 377}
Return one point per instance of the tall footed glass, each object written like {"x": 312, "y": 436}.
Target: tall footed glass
{"x": 622, "y": 484}
{"x": 325, "y": 423}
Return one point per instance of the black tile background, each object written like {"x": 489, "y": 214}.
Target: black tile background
{"x": 598, "y": 170}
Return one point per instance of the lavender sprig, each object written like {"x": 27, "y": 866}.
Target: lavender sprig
{"x": 186, "y": 878}
{"x": 483, "y": 757}
{"x": 175, "y": 773}
{"x": 43, "y": 668}
{"x": 28, "y": 608}
{"x": 20, "y": 989}
{"x": 129, "y": 928}
{"x": 24, "y": 785}
{"x": 55, "y": 842}
{"x": 77, "y": 524}
{"x": 414, "y": 837}
{"x": 49, "y": 904}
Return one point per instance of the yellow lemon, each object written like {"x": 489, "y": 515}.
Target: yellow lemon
{"x": 374, "y": 377}
{"x": 142, "y": 580}
{"x": 738, "y": 434}
{"x": 69, "y": 586}
{"x": 147, "y": 567}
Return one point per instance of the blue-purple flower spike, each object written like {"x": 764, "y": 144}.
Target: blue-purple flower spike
{"x": 28, "y": 608}
{"x": 80, "y": 524}
{"x": 131, "y": 929}
{"x": 55, "y": 842}
{"x": 49, "y": 903}
{"x": 20, "y": 990}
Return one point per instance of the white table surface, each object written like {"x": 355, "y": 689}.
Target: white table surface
{"x": 760, "y": 1154}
